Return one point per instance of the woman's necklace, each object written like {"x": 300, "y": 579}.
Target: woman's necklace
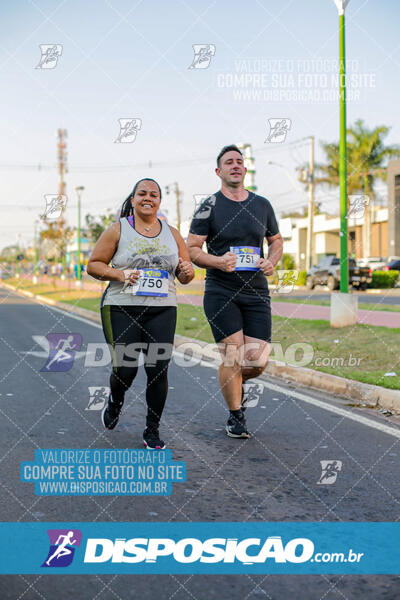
{"x": 149, "y": 227}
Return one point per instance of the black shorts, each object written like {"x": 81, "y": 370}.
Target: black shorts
{"x": 228, "y": 311}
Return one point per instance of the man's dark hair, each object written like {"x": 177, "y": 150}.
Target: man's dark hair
{"x": 226, "y": 149}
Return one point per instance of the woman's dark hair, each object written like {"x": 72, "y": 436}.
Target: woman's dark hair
{"x": 127, "y": 208}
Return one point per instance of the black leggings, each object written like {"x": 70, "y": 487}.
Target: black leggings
{"x": 149, "y": 329}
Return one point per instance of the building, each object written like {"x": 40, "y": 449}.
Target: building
{"x": 393, "y": 181}
{"x": 72, "y": 250}
{"x": 326, "y": 236}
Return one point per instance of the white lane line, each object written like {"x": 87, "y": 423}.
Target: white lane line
{"x": 73, "y": 316}
{"x": 390, "y": 430}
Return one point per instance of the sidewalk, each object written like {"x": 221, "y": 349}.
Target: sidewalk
{"x": 311, "y": 311}
{"x": 279, "y": 309}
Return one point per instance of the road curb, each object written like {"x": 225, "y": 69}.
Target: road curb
{"x": 362, "y": 394}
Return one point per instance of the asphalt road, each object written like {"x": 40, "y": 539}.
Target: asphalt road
{"x": 271, "y": 477}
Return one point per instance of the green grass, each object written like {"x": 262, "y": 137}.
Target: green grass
{"x": 375, "y": 348}
{"x": 70, "y": 295}
{"x": 198, "y": 329}
{"x": 362, "y": 305}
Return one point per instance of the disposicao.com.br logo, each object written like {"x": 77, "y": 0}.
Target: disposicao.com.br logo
{"x": 247, "y": 551}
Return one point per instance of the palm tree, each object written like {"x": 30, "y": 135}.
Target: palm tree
{"x": 366, "y": 158}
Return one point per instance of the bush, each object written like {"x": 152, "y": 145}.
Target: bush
{"x": 384, "y": 279}
{"x": 288, "y": 262}
{"x": 302, "y": 278}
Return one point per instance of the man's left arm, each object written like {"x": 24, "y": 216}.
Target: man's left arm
{"x": 275, "y": 248}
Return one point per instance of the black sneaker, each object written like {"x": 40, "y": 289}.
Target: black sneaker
{"x": 151, "y": 439}
{"x": 236, "y": 426}
{"x": 110, "y": 413}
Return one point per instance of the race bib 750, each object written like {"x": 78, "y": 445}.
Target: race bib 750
{"x": 152, "y": 282}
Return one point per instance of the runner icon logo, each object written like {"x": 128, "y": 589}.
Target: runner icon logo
{"x": 128, "y": 129}
{"x": 251, "y": 394}
{"x": 62, "y": 348}
{"x": 98, "y": 397}
{"x": 357, "y": 204}
{"x": 278, "y": 129}
{"x": 202, "y": 56}
{"x": 330, "y": 470}
{"x": 287, "y": 281}
{"x": 50, "y": 56}
{"x": 62, "y": 547}
{"x": 202, "y": 208}
{"x": 55, "y": 204}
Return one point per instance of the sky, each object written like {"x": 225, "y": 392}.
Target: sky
{"x": 131, "y": 60}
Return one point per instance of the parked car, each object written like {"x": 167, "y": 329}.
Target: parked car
{"x": 327, "y": 272}
{"x": 375, "y": 263}
{"x": 394, "y": 265}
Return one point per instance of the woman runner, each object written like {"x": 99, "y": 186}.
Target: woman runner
{"x": 138, "y": 308}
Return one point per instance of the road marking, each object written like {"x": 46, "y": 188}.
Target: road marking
{"x": 390, "y": 430}
{"x": 395, "y": 432}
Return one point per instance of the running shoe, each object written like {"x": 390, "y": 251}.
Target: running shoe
{"x": 236, "y": 426}
{"x": 110, "y": 413}
{"x": 151, "y": 439}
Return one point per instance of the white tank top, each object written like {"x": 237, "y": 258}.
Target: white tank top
{"x": 136, "y": 251}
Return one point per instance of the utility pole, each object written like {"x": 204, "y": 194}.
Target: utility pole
{"x": 307, "y": 176}
{"x": 178, "y": 193}
{"x": 62, "y": 159}
{"x": 62, "y": 134}
{"x": 36, "y": 253}
{"x": 79, "y": 191}
{"x": 18, "y": 256}
{"x": 366, "y": 229}
{"x": 310, "y": 227}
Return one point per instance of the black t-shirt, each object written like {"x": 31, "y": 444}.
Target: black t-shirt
{"x": 242, "y": 225}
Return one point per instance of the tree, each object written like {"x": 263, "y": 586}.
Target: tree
{"x": 366, "y": 163}
{"x": 58, "y": 236}
{"x": 96, "y": 225}
{"x": 8, "y": 253}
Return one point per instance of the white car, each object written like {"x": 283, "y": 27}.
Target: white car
{"x": 375, "y": 263}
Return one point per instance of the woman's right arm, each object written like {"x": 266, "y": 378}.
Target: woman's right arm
{"x": 102, "y": 254}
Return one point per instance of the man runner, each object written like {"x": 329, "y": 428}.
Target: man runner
{"x": 233, "y": 223}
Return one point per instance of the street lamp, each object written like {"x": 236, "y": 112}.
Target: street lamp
{"x": 79, "y": 189}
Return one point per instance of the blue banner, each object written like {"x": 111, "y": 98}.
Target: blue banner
{"x": 192, "y": 548}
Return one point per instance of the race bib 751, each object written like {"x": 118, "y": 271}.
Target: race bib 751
{"x": 246, "y": 257}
